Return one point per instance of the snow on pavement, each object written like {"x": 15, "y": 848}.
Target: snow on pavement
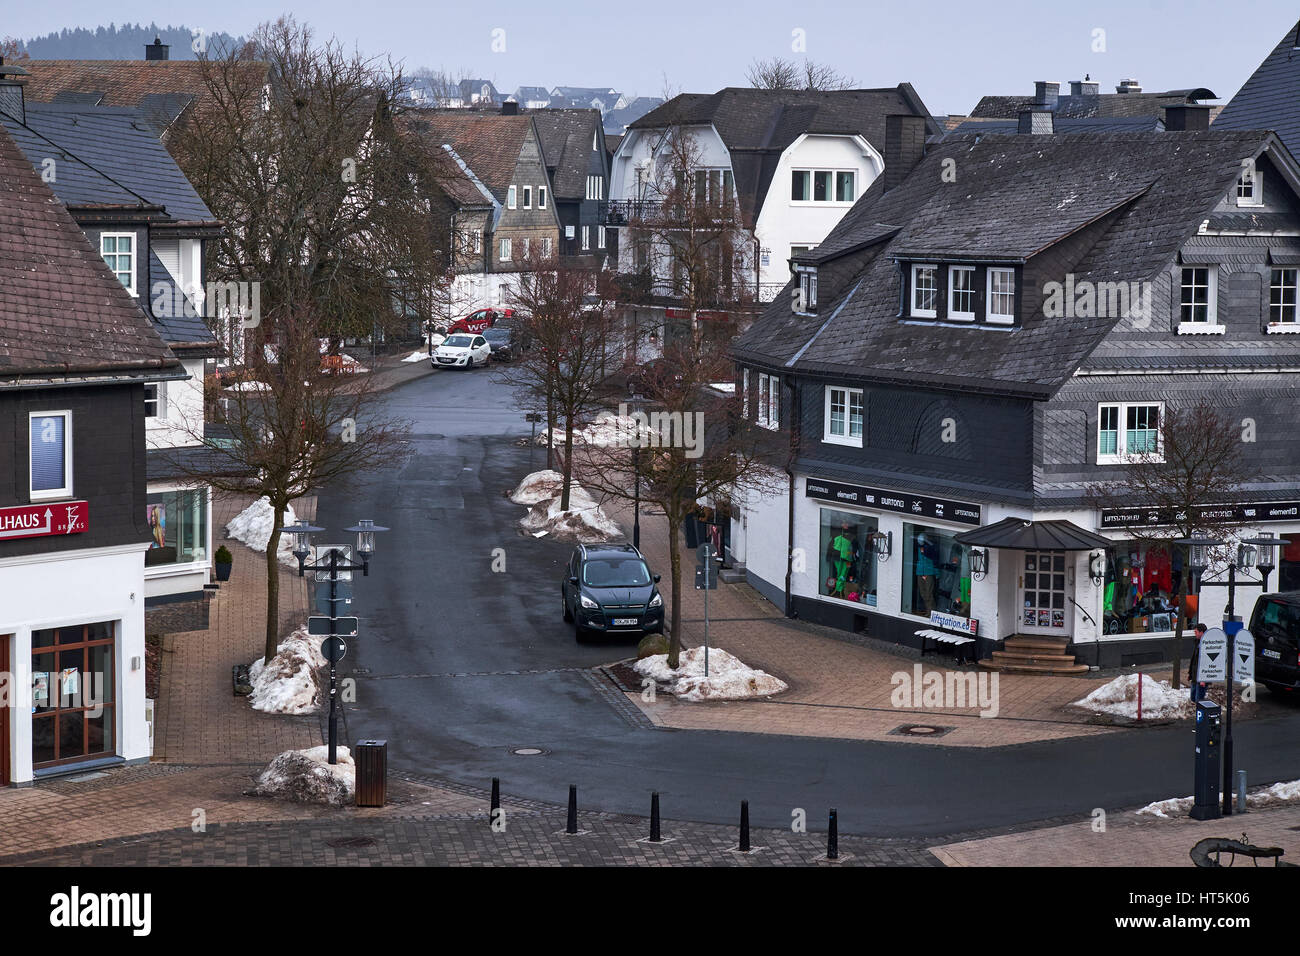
{"x": 584, "y": 521}
{"x": 307, "y": 777}
{"x": 288, "y": 684}
{"x": 253, "y": 527}
{"x": 729, "y": 677}
{"x": 1119, "y": 697}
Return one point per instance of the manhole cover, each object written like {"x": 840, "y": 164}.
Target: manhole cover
{"x": 350, "y": 842}
{"x": 920, "y": 730}
{"x": 527, "y": 752}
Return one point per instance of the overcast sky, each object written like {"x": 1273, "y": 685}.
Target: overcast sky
{"x": 952, "y": 52}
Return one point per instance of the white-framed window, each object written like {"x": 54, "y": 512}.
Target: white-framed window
{"x": 541, "y": 197}
{"x": 505, "y": 250}
{"x": 769, "y": 400}
{"x": 1250, "y": 187}
{"x": 118, "y": 250}
{"x": 1126, "y": 430}
{"x": 925, "y": 291}
{"x": 50, "y": 455}
{"x": 524, "y": 243}
{"x": 961, "y": 293}
{"x": 843, "y": 416}
{"x": 744, "y": 393}
{"x": 823, "y": 186}
{"x": 600, "y": 237}
{"x": 595, "y": 187}
{"x": 586, "y": 237}
{"x": 511, "y": 200}
{"x": 1282, "y": 300}
{"x": 1198, "y": 295}
{"x": 1002, "y": 296}
{"x": 546, "y": 246}
{"x": 478, "y": 243}
{"x": 806, "y": 299}
{"x": 155, "y": 400}
{"x": 528, "y": 197}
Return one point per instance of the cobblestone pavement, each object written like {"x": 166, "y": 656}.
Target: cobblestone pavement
{"x": 530, "y": 838}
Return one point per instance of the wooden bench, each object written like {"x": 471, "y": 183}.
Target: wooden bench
{"x": 962, "y": 645}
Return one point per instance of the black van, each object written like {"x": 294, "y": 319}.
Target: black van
{"x": 1275, "y": 624}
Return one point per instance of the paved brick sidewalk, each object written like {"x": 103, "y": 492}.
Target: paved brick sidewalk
{"x": 840, "y": 689}
{"x": 1128, "y": 840}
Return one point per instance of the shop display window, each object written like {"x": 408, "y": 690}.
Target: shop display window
{"x": 73, "y": 713}
{"x": 178, "y": 524}
{"x": 936, "y": 572}
{"x": 848, "y": 561}
{"x": 1141, "y": 589}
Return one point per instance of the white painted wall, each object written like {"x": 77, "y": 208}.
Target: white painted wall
{"x": 180, "y": 420}
{"x": 783, "y": 223}
{"x": 77, "y": 587}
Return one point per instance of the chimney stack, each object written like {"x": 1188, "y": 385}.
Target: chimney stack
{"x": 1046, "y": 93}
{"x": 12, "y": 81}
{"x": 1035, "y": 122}
{"x": 904, "y": 146}
{"x": 1187, "y": 117}
{"x": 510, "y": 107}
{"x": 157, "y": 50}
{"x": 1084, "y": 87}
{"x": 1128, "y": 86}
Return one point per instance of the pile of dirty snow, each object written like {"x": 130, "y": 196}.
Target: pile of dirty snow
{"x": 607, "y": 431}
{"x": 307, "y": 777}
{"x": 584, "y": 522}
{"x": 419, "y": 355}
{"x": 1279, "y": 794}
{"x": 1119, "y": 698}
{"x": 288, "y": 684}
{"x": 729, "y": 678}
{"x": 253, "y": 527}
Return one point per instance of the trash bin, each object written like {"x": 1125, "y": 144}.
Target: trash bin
{"x": 371, "y": 758}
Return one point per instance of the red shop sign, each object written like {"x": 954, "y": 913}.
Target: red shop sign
{"x": 37, "y": 521}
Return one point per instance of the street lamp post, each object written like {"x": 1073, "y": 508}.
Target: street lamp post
{"x": 634, "y": 403}
{"x": 302, "y": 532}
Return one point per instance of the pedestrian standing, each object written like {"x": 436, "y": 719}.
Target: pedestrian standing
{"x": 1197, "y": 690}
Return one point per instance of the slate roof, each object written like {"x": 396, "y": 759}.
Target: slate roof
{"x": 756, "y": 126}
{"x": 62, "y": 312}
{"x": 1014, "y": 195}
{"x": 1066, "y": 124}
{"x": 106, "y": 155}
{"x": 1270, "y": 99}
{"x": 489, "y": 143}
{"x": 524, "y": 93}
{"x": 617, "y": 120}
{"x": 566, "y": 147}
{"x": 161, "y": 88}
{"x": 1101, "y": 104}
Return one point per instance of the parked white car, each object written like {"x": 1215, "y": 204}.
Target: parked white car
{"x": 462, "y": 351}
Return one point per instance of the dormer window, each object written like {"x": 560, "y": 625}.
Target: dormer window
{"x": 1002, "y": 296}
{"x": 925, "y": 291}
{"x": 1250, "y": 187}
{"x": 961, "y": 293}
{"x": 805, "y": 299}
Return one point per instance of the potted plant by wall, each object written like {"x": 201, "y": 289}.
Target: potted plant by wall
{"x": 223, "y": 562}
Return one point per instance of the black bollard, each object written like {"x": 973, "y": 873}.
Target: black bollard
{"x": 655, "y": 836}
{"x": 744, "y": 826}
{"x": 496, "y": 797}
{"x": 833, "y": 838}
{"x": 572, "y": 826}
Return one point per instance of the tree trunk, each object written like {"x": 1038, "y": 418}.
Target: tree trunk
{"x": 273, "y": 587}
{"x": 1177, "y": 655}
{"x": 568, "y": 463}
{"x": 550, "y": 431}
{"x": 675, "y": 568}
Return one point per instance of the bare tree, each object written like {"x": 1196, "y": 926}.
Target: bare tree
{"x": 293, "y": 428}
{"x": 1197, "y": 461}
{"x": 443, "y": 89}
{"x": 694, "y": 444}
{"x": 781, "y": 74}
{"x": 11, "y": 50}
{"x": 568, "y": 322}
{"x": 295, "y": 149}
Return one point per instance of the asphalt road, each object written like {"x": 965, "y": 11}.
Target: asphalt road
{"x": 458, "y": 665}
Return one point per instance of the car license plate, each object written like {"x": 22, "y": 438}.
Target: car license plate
{"x": 624, "y": 621}
{"x": 1276, "y": 655}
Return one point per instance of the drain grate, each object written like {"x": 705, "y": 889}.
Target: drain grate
{"x": 920, "y": 730}
{"x": 349, "y": 842}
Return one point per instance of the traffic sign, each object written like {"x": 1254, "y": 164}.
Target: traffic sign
{"x": 1212, "y": 654}
{"x": 323, "y": 557}
{"x": 706, "y": 579}
{"x": 342, "y": 597}
{"x": 319, "y": 626}
{"x": 1243, "y": 657}
{"x": 703, "y": 553}
{"x": 334, "y": 649}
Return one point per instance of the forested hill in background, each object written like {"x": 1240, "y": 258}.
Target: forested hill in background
{"x": 126, "y": 42}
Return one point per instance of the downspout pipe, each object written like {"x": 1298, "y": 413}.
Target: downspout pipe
{"x": 794, "y": 413}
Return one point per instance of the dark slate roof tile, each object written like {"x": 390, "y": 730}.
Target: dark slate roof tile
{"x": 1270, "y": 99}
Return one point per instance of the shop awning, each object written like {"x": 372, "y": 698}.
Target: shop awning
{"x": 1023, "y": 535}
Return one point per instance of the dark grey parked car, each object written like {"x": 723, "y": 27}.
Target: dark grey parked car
{"x": 609, "y": 589}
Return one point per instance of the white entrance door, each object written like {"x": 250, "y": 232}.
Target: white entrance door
{"x": 1043, "y": 591}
